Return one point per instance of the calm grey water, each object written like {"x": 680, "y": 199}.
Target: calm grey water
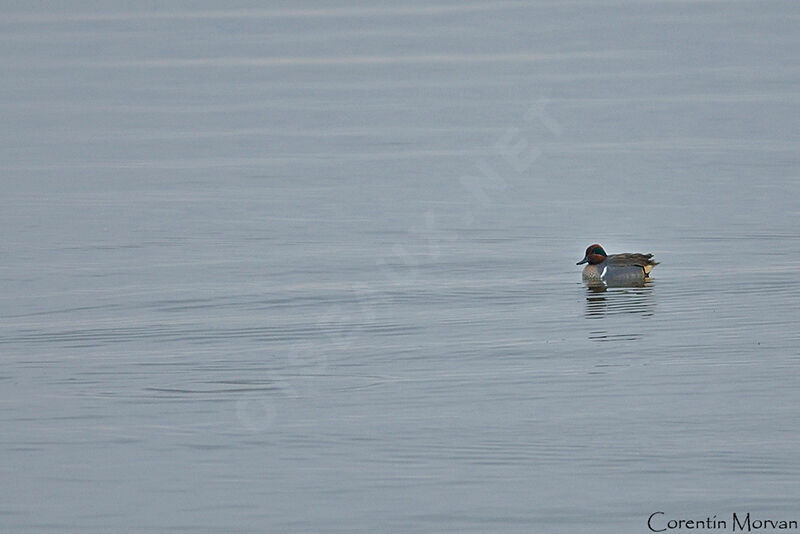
{"x": 311, "y": 268}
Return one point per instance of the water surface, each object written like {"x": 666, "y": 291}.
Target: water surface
{"x": 312, "y": 269}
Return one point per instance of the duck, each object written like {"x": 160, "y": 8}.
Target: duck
{"x": 616, "y": 269}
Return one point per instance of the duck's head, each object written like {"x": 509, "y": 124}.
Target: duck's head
{"x": 594, "y": 255}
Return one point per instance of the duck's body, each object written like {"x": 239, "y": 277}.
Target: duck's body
{"x": 616, "y": 269}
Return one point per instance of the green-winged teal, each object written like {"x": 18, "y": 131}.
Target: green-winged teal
{"x": 616, "y": 269}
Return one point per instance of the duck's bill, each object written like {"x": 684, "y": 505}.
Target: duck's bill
{"x": 584, "y": 260}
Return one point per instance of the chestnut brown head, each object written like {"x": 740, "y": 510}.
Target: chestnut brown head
{"x": 594, "y": 255}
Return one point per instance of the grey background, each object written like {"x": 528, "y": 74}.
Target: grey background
{"x": 310, "y": 268}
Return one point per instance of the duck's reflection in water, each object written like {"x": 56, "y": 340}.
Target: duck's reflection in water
{"x": 607, "y": 301}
